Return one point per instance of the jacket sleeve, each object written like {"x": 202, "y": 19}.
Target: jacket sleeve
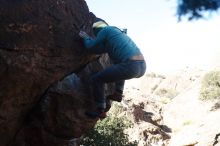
{"x": 95, "y": 45}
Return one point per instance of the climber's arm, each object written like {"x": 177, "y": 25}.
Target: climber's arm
{"x": 93, "y": 45}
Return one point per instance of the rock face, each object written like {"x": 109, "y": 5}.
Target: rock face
{"x": 39, "y": 45}
{"x": 59, "y": 118}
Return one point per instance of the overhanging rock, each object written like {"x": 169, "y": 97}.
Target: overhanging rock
{"x": 59, "y": 119}
{"x": 39, "y": 45}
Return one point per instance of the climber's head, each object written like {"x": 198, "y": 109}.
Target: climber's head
{"x": 98, "y": 25}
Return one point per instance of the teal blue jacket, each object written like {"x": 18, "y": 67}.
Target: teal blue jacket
{"x": 113, "y": 41}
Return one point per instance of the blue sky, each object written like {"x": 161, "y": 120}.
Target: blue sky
{"x": 166, "y": 44}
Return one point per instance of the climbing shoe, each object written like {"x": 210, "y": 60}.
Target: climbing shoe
{"x": 115, "y": 97}
{"x": 99, "y": 113}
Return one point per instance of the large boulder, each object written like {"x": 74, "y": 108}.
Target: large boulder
{"x": 39, "y": 45}
{"x": 59, "y": 118}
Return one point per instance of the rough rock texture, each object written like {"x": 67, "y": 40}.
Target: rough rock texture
{"x": 59, "y": 119}
{"x": 39, "y": 45}
{"x": 145, "y": 112}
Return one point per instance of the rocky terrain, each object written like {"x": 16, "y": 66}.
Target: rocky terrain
{"x": 179, "y": 119}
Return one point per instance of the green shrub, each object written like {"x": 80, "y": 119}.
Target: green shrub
{"x": 109, "y": 132}
{"x": 210, "y": 87}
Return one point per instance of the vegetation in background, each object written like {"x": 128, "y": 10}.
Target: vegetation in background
{"x": 168, "y": 93}
{"x": 154, "y": 88}
{"x": 154, "y": 75}
{"x": 165, "y": 100}
{"x": 210, "y": 87}
{"x": 110, "y": 131}
{"x": 187, "y": 122}
{"x": 194, "y": 9}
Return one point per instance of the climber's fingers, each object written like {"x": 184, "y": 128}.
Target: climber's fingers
{"x": 83, "y": 34}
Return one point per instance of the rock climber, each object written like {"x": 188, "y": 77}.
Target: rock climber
{"x": 128, "y": 62}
